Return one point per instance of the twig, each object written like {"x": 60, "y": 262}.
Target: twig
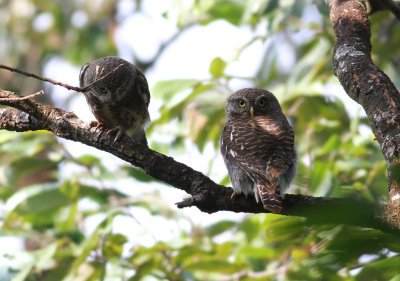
{"x": 69, "y": 87}
{"x": 380, "y": 5}
{"x": 84, "y": 89}
{"x": 40, "y": 78}
{"x": 41, "y": 92}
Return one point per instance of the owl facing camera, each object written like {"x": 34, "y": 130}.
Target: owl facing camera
{"x": 257, "y": 144}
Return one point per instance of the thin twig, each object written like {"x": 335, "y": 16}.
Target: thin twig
{"x": 84, "y": 89}
{"x": 69, "y": 87}
{"x": 40, "y": 78}
{"x": 41, "y": 92}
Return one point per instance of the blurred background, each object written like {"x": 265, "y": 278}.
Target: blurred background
{"x": 71, "y": 212}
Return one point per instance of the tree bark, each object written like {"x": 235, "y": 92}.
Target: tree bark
{"x": 369, "y": 86}
{"x": 209, "y": 197}
{"x": 353, "y": 66}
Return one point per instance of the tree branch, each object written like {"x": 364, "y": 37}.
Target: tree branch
{"x": 369, "y": 86}
{"x": 380, "y": 5}
{"x": 69, "y": 87}
{"x": 205, "y": 194}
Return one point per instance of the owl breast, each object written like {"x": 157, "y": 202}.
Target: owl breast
{"x": 257, "y": 144}
{"x": 129, "y": 113}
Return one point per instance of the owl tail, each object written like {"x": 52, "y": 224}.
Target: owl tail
{"x": 270, "y": 201}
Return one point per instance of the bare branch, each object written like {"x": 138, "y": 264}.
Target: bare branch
{"x": 41, "y": 92}
{"x": 28, "y": 74}
{"x": 69, "y": 87}
{"x": 206, "y": 195}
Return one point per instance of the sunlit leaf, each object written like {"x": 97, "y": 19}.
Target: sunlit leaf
{"x": 220, "y": 227}
{"x": 217, "y": 67}
{"x": 380, "y": 270}
{"x": 113, "y": 245}
{"x": 229, "y": 10}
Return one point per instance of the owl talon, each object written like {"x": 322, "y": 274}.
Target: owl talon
{"x": 234, "y": 195}
{"x": 117, "y": 94}
{"x": 96, "y": 125}
{"x": 257, "y": 144}
{"x": 115, "y": 132}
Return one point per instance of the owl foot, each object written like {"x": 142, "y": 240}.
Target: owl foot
{"x": 234, "y": 195}
{"x": 97, "y": 125}
{"x": 117, "y": 132}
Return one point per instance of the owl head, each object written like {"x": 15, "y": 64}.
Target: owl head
{"x": 251, "y": 102}
{"x": 117, "y": 82}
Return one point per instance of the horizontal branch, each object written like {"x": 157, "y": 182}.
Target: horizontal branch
{"x": 206, "y": 195}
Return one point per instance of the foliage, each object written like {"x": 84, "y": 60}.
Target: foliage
{"x": 50, "y": 196}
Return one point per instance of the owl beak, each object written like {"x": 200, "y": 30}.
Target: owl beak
{"x": 252, "y": 111}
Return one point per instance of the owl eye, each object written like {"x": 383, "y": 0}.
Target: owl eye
{"x": 261, "y": 102}
{"x": 242, "y": 103}
{"x": 122, "y": 87}
{"x": 103, "y": 90}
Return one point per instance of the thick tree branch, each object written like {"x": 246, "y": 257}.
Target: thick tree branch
{"x": 205, "y": 194}
{"x": 369, "y": 86}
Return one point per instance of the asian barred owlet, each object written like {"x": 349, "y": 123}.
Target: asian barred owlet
{"x": 257, "y": 144}
{"x": 119, "y": 99}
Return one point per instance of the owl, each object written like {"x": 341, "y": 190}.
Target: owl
{"x": 257, "y": 144}
{"x": 119, "y": 99}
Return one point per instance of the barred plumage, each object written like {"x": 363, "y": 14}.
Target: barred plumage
{"x": 257, "y": 144}
{"x": 120, "y": 98}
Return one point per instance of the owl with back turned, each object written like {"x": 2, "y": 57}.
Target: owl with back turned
{"x": 119, "y": 97}
{"x": 257, "y": 144}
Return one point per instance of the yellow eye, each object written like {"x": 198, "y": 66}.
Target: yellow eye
{"x": 242, "y": 103}
{"x": 261, "y": 102}
{"x": 122, "y": 87}
{"x": 103, "y": 90}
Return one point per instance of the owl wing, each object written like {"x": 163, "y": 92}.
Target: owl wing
{"x": 263, "y": 148}
{"x": 142, "y": 87}
{"x": 241, "y": 183}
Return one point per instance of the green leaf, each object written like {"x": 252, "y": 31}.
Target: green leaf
{"x": 22, "y": 275}
{"x": 93, "y": 242}
{"x": 396, "y": 278}
{"x": 88, "y": 160}
{"x": 25, "y": 166}
{"x": 37, "y": 199}
{"x": 380, "y": 270}
{"x": 138, "y": 174}
{"x": 61, "y": 270}
{"x": 231, "y": 11}
{"x": 250, "y": 227}
{"x": 220, "y": 227}
{"x": 220, "y": 266}
{"x": 6, "y": 136}
{"x": 166, "y": 90}
{"x": 30, "y": 143}
{"x": 257, "y": 252}
{"x": 217, "y": 67}
{"x": 45, "y": 256}
{"x": 113, "y": 245}
{"x": 320, "y": 178}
